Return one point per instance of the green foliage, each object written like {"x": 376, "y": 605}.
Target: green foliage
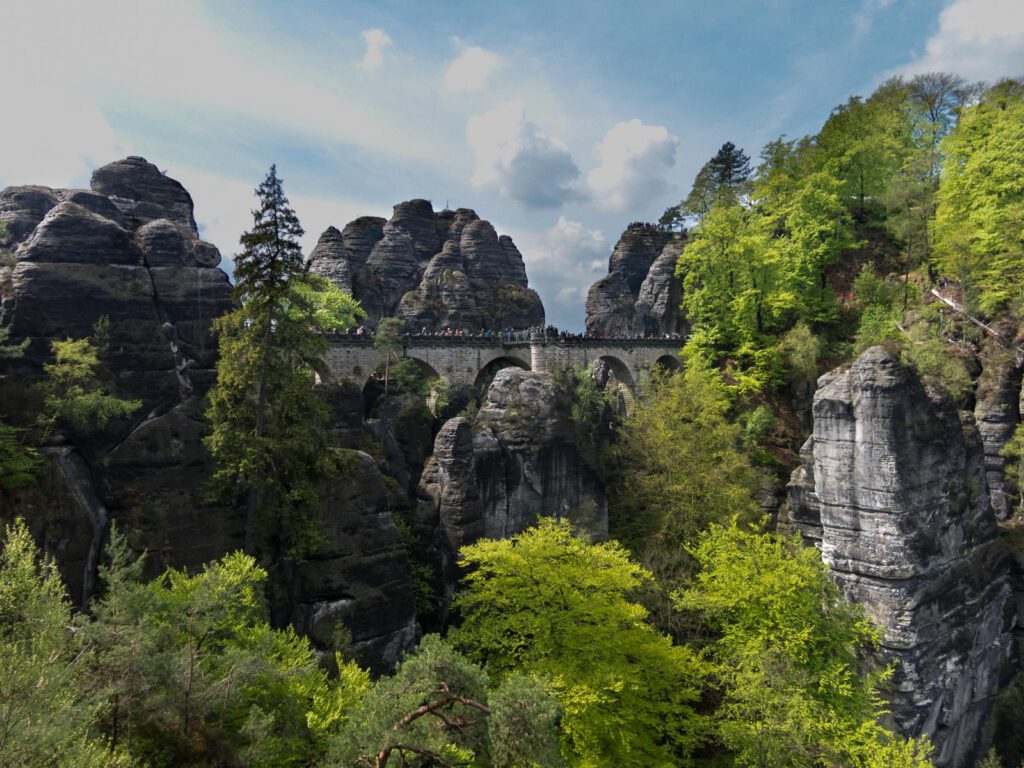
{"x": 722, "y": 179}
{"x": 18, "y": 461}
{"x": 187, "y": 671}
{"x": 681, "y": 470}
{"x": 436, "y": 710}
{"x": 268, "y": 435}
{"x": 980, "y": 212}
{"x": 788, "y": 655}
{"x": 42, "y": 723}
{"x": 1008, "y": 737}
{"x": 800, "y": 351}
{"x": 550, "y": 605}
{"x": 757, "y": 425}
{"x": 750, "y": 274}
{"x": 77, "y": 392}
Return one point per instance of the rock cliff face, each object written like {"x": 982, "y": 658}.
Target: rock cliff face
{"x": 997, "y": 411}
{"x": 893, "y": 490}
{"x": 129, "y": 249}
{"x": 434, "y": 270}
{"x": 516, "y": 460}
{"x": 640, "y": 294}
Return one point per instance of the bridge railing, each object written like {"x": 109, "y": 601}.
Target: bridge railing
{"x": 512, "y": 338}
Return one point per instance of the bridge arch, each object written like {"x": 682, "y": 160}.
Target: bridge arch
{"x": 490, "y": 370}
{"x": 609, "y": 367}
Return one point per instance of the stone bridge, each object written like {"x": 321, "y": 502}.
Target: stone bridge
{"x": 473, "y": 360}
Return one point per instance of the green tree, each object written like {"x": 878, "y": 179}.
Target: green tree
{"x": 42, "y": 721}
{"x": 721, "y": 180}
{"x": 388, "y": 341}
{"x": 77, "y": 391}
{"x": 185, "y": 670}
{"x": 788, "y": 656}
{"x": 980, "y": 212}
{"x": 268, "y": 419}
{"x": 437, "y": 709}
{"x": 680, "y": 470}
{"x": 550, "y": 605}
{"x": 18, "y": 461}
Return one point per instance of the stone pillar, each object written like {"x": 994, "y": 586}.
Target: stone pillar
{"x": 538, "y": 358}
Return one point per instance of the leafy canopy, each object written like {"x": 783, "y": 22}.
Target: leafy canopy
{"x": 550, "y": 605}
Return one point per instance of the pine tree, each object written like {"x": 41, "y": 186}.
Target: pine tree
{"x": 269, "y": 437}
{"x": 723, "y": 177}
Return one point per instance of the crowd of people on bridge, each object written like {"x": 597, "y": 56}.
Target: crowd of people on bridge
{"x": 521, "y": 335}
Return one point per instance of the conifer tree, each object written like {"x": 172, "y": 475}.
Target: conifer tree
{"x": 268, "y": 438}
{"x": 723, "y": 177}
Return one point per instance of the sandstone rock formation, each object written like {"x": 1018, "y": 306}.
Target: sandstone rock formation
{"x": 516, "y": 460}
{"x": 434, "y": 270}
{"x": 129, "y": 249}
{"x": 640, "y": 295}
{"x": 997, "y": 411}
{"x": 893, "y": 490}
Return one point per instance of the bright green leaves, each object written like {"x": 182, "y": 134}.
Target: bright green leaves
{"x": 553, "y": 606}
{"x": 789, "y": 655}
{"x": 185, "y": 669}
{"x": 74, "y": 393}
{"x": 979, "y": 223}
{"x": 42, "y": 720}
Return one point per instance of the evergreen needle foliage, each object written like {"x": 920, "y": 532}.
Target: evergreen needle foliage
{"x": 268, "y": 419}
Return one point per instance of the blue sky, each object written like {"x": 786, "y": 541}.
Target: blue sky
{"x": 560, "y": 122}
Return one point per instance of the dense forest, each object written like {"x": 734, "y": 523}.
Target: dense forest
{"x": 698, "y": 634}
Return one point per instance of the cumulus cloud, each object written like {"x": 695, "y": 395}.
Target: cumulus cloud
{"x": 377, "y": 41}
{"x": 471, "y": 69}
{"x": 634, "y": 158}
{"x": 562, "y": 262}
{"x": 978, "y": 39}
{"x": 515, "y": 156}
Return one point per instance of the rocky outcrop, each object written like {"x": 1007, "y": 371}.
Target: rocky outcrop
{"x": 358, "y": 577}
{"x": 434, "y": 270}
{"x": 997, "y": 411}
{"x": 893, "y": 490}
{"x": 129, "y": 250}
{"x": 514, "y": 462}
{"x": 640, "y": 295}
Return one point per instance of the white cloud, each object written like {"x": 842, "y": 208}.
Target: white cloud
{"x": 471, "y": 69}
{"x": 223, "y": 208}
{"x": 515, "y": 156}
{"x": 634, "y": 158}
{"x": 377, "y": 41}
{"x": 563, "y": 262}
{"x": 977, "y": 39}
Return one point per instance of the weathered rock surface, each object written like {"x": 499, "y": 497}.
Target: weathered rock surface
{"x": 359, "y": 576}
{"x": 520, "y": 464}
{"x": 129, "y": 250}
{"x": 640, "y": 295}
{"x": 997, "y": 411}
{"x": 434, "y": 270}
{"x": 893, "y": 490}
